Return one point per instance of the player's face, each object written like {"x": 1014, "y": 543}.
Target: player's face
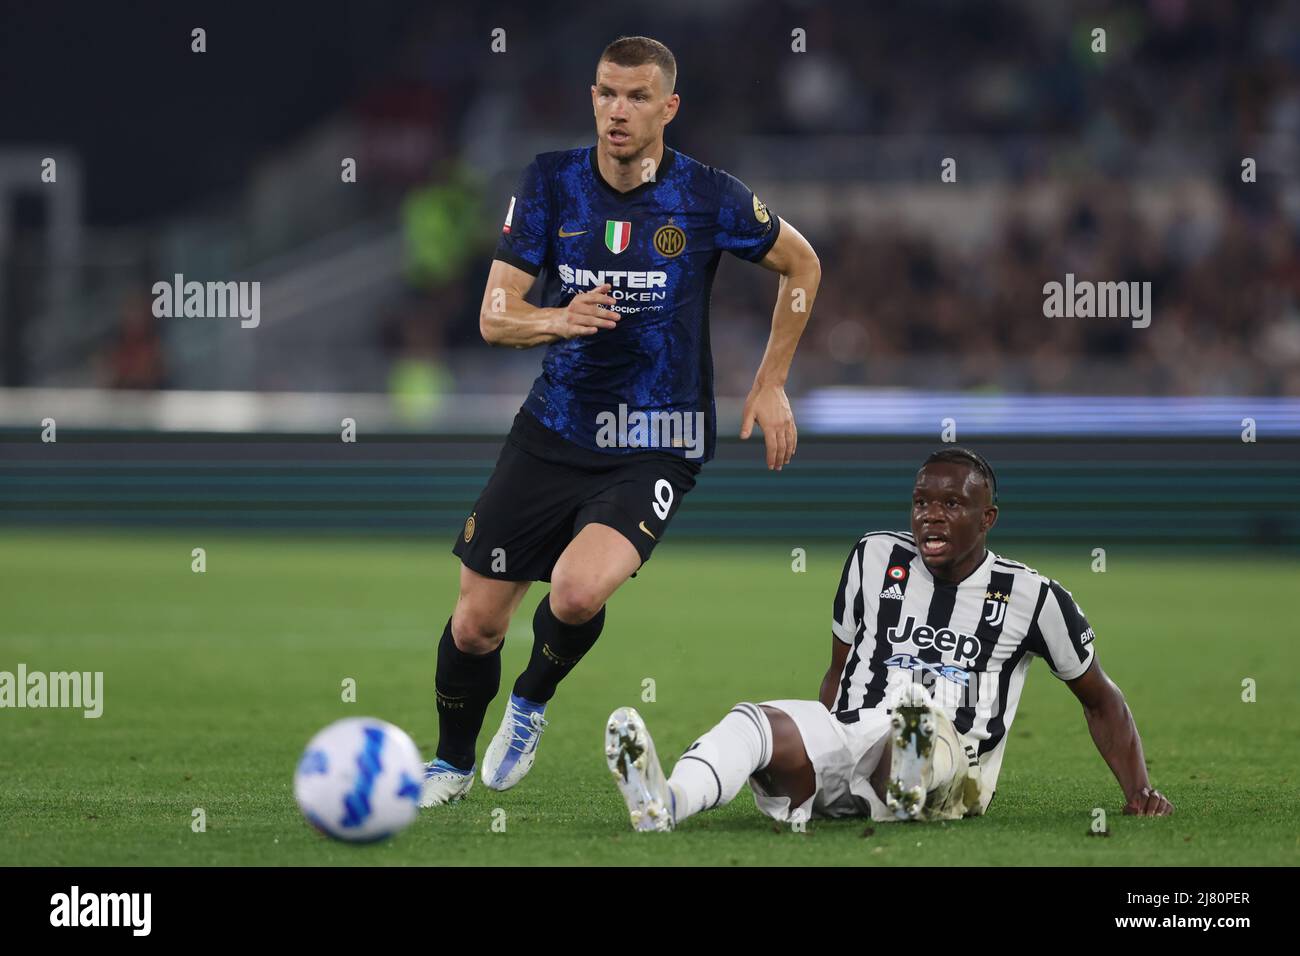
{"x": 951, "y": 513}
{"x": 632, "y": 106}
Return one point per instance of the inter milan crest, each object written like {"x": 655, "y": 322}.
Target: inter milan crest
{"x": 669, "y": 240}
{"x": 617, "y": 235}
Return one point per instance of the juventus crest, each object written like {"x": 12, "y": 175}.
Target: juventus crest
{"x": 995, "y": 607}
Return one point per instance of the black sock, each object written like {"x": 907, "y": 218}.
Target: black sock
{"x": 465, "y": 685}
{"x": 557, "y": 648}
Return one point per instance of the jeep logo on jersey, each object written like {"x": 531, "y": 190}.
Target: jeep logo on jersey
{"x": 617, "y": 235}
{"x": 962, "y": 646}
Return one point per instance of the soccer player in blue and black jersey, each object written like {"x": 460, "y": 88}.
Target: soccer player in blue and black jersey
{"x": 628, "y": 234}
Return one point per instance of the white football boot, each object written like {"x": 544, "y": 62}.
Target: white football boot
{"x": 513, "y": 749}
{"x": 632, "y": 760}
{"x": 911, "y": 767}
{"x": 443, "y": 783}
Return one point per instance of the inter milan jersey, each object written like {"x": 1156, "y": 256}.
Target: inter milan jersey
{"x": 658, "y": 246}
{"x": 969, "y": 643}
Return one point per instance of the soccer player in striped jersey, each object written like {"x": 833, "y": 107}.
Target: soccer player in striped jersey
{"x": 933, "y": 635}
{"x": 627, "y": 234}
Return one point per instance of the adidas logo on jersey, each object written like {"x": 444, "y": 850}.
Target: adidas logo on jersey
{"x": 892, "y": 593}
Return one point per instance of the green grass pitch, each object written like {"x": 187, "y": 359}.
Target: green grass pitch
{"x": 215, "y": 681}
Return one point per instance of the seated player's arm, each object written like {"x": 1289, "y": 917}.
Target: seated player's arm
{"x": 506, "y": 319}
{"x": 801, "y": 274}
{"x": 844, "y": 623}
{"x": 1113, "y": 731}
{"x": 831, "y": 682}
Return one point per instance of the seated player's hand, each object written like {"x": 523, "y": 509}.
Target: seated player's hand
{"x": 769, "y": 406}
{"x": 585, "y": 314}
{"x": 1148, "y": 802}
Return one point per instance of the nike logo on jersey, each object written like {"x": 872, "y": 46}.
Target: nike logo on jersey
{"x": 566, "y": 235}
{"x": 647, "y": 531}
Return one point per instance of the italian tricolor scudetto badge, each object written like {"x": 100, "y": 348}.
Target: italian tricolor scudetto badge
{"x": 617, "y": 235}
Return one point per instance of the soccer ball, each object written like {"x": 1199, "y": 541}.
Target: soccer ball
{"x": 359, "y": 780}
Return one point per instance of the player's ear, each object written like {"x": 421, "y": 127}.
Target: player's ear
{"x": 990, "y": 518}
{"x": 670, "y": 108}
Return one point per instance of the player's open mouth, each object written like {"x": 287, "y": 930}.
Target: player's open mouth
{"x": 933, "y": 545}
{"x": 618, "y": 136}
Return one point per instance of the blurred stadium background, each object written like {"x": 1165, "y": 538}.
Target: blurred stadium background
{"x": 225, "y": 165}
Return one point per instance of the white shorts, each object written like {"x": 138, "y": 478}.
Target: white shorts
{"x": 843, "y": 758}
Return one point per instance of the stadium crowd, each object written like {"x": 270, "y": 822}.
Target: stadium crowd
{"x": 898, "y": 307}
{"x": 1183, "y": 92}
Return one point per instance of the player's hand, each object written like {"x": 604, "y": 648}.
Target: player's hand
{"x": 769, "y": 406}
{"x": 1148, "y": 802}
{"x": 585, "y": 314}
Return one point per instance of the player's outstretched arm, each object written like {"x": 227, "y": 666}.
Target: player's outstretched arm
{"x": 506, "y": 319}
{"x": 1116, "y": 736}
{"x": 801, "y": 274}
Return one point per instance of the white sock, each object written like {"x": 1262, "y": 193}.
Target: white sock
{"x": 949, "y": 761}
{"x": 718, "y": 764}
{"x": 944, "y": 762}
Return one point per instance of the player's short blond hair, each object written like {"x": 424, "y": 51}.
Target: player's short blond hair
{"x": 638, "y": 51}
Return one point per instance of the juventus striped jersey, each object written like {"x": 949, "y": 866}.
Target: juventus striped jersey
{"x": 970, "y": 643}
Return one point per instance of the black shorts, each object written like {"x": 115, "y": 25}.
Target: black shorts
{"x": 545, "y": 489}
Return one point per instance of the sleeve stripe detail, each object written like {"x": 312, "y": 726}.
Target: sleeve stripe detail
{"x": 760, "y": 251}
{"x": 518, "y": 261}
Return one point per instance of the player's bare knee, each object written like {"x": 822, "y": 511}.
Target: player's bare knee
{"x": 474, "y": 632}
{"x": 574, "y": 602}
